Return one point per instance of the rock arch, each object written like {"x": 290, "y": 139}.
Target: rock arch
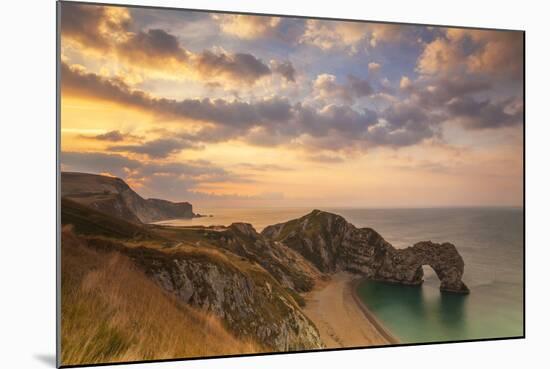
{"x": 331, "y": 244}
{"x": 405, "y": 265}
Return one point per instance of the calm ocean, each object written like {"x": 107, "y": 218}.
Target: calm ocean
{"x": 489, "y": 239}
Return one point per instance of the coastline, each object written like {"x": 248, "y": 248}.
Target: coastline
{"x": 386, "y": 333}
{"x": 340, "y": 316}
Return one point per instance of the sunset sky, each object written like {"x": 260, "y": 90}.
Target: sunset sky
{"x": 238, "y": 110}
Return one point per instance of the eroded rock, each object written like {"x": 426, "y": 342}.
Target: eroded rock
{"x": 333, "y": 244}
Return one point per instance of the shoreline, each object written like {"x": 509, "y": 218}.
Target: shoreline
{"x": 340, "y": 316}
{"x": 370, "y": 315}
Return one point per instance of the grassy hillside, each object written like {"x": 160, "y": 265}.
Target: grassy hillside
{"x": 112, "y": 312}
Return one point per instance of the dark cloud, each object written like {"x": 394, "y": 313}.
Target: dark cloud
{"x": 156, "y": 149}
{"x": 359, "y": 87}
{"x": 456, "y": 99}
{"x": 268, "y": 122}
{"x": 285, "y": 69}
{"x": 240, "y": 66}
{"x": 84, "y": 22}
{"x": 400, "y": 115}
{"x": 213, "y": 134}
{"x": 326, "y": 87}
{"x": 219, "y": 111}
{"x": 153, "y": 44}
{"x": 276, "y": 121}
{"x": 485, "y": 114}
{"x": 412, "y": 134}
{"x": 103, "y": 29}
{"x": 93, "y": 162}
{"x": 197, "y": 170}
{"x": 112, "y": 136}
{"x": 323, "y": 158}
{"x": 172, "y": 180}
{"x": 434, "y": 92}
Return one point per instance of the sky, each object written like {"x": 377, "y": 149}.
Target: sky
{"x": 242, "y": 111}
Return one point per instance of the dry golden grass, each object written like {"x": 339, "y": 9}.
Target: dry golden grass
{"x": 112, "y": 312}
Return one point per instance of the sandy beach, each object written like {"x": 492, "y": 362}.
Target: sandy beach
{"x": 342, "y": 320}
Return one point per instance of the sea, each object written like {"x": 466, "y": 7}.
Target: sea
{"x": 490, "y": 241}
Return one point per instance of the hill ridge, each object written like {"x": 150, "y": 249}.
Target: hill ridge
{"x": 114, "y": 196}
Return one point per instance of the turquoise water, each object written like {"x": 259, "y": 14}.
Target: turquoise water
{"x": 489, "y": 239}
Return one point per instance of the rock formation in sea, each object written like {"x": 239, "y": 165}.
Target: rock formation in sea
{"x": 332, "y": 244}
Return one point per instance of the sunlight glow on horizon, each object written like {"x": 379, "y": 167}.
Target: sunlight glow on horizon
{"x": 233, "y": 118}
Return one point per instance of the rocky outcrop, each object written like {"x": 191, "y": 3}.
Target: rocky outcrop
{"x": 171, "y": 210}
{"x": 332, "y": 244}
{"x": 405, "y": 265}
{"x": 251, "y": 303}
{"x": 287, "y": 266}
{"x": 113, "y": 196}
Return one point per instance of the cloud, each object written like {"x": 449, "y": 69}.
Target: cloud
{"x": 486, "y": 114}
{"x": 270, "y": 121}
{"x": 405, "y": 83}
{"x": 359, "y": 87}
{"x": 326, "y": 87}
{"x": 380, "y": 33}
{"x": 285, "y": 69}
{"x": 112, "y": 136}
{"x": 156, "y": 149}
{"x": 263, "y": 167}
{"x": 275, "y": 121}
{"x": 400, "y": 114}
{"x": 153, "y": 47}
{"x": 236, "y": 113}
{"x": 458, "y": 99}
{"x": 498, "y": 53}
{"x": 352, "y": 36}
{"x": 439, "y": 55}
{"x": 328, "y": 35}
{"x": 172, "y": 180}
{"x": 323, "y": 158}
{"x": 110, "y": 30}
{"x": 374, "y": 67}
{"x": 434, "y": 92}
{"x": 240, "y": 66}
{"x": 116, "y": 165}
{"x": 94, "y": 25}
{"x": 345, "y": 130}
{"x": 247, "y": 26}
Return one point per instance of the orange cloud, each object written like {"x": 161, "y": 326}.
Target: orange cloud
{"x": 107, "y": 31}
{"x": 440, "y": 55}
{"x": 330, "y": 34}
{"x": 384, "y": 33}
{"x": 247, "y": 26}
{"x": 495, "y": 52}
